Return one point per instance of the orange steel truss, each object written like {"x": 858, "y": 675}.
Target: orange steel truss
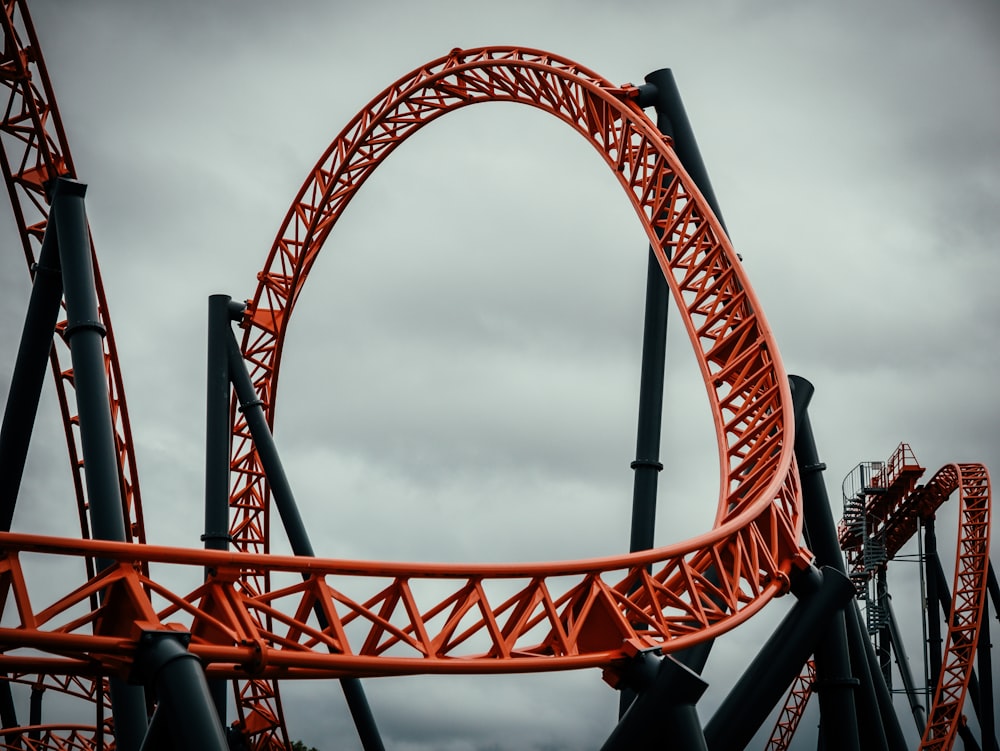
{"x": 755, "y": 541}
{"x": 968, "y": 596}
{"x": 899, "y": 521}
{"x": 795, "y": 706}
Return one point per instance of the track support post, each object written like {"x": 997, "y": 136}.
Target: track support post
{"x": 185, "y": 711}
{"x": 821, "y": 593}
{"x": 85, "y": 335}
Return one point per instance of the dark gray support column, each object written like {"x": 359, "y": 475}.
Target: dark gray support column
{"x": 987, "y": 716}
{"x": 29, "y": 373}
{"x": 835, "y": 682}
{"x": 994, "y": 589}
{"x": 221, "y": 312}
{"x": 291, "y": 519}
{"x": 158, "y": 735}
{"x": 903, "y": 663}
{"x": 660, "y": 91}
{"x": 8, "y": 715}
{"x": 869, "y": 705}
{"x": 664, "y": 713}
{"x": 884, "y": 639}
{"x": 85, "y": 335}
{"x": 35, "y": 711}
{"x": 183, "y": 698}
{"x": 931, "y": 607}
{"x": 765, "y": 681}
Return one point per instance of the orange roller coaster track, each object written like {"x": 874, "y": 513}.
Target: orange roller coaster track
{"x": 757, "y": 524}
{"x": 898, "y": 521}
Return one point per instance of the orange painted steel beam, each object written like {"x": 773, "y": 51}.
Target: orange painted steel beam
{"x": 758, "y": 508}
{"x": 795, "y": 706}
{"x": 972, "y": 481}
{"x": 899, "y": 521}
{"x": 382, "y": 618}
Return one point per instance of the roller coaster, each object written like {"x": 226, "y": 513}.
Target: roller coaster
{"x": 155, "y": 665}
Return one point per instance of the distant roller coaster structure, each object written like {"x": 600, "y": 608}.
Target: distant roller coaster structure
{"x": 156, "y": 665}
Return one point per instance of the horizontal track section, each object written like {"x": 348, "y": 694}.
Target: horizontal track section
{"x": 384, "y": 618}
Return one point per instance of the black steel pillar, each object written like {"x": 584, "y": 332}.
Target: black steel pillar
{"x": 85, "y": 335}
{"x": 931, "y": 607}
{"x": 987, "y": 716}
{"x": 835, "y": 681}
{"x": 221, "y": 311}
{"x": 35, "y": 711}
{"x": 763, "y": 684}
{"x": 8, "y": 715}
{"x": 182, "y": 694}
{"x": 29, "y": 373}
{"x": 903, "y": 663}
{"x": 874, "y": 702}
{"x": 663, "y": 714}
{"x": 994, "y": 589}
{"x": 291, "y": 519}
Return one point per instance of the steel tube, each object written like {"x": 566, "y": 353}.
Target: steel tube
{"x": 835, "y": 681}
{"x": 932, "y": 607}
{"x": 987, "y": 717}
{"x": 217, "y": 447}
{"x": 85, "y": 335}
{"x": 663, "y": 714}
{"x": 763, "y": 684}
{"x": 903, "y": 663}
{"x": 291, "y": 519}
{"x": 875, "y": 719}
{"x": 164, "y": 662}
{"x": 29, "y": 373}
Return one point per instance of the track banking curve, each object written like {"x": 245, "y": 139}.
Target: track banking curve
{"x": 755, "y": 541}
{"x": 758, "y": 524}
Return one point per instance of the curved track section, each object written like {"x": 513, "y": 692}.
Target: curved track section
{"x": 964, "y": 619}
{"x": 968, "y": 596}
{"x": 755, "y": 540}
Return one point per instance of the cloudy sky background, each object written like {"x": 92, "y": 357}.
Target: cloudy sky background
{"x": 460, "y": 380}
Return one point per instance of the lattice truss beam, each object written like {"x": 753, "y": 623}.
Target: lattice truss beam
{"x": 968, "y": 606}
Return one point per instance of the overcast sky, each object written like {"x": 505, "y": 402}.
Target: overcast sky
{"x": 460, "y": 380}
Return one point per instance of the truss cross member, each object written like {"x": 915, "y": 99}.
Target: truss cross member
{"x": 85, "y": 334}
